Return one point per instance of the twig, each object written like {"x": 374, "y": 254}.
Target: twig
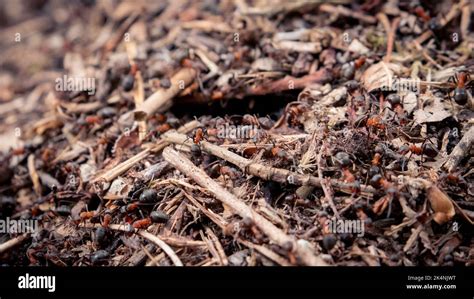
{"x": 265, "y": 172}
{"x": 275, "y": 234}
{"x": 111, "y": 174}
{"x": 162, "y": 96}
{"x": 326, "y": 189}
{"x": 218, "y": 246}
{"x": 289, "y": 83}
{"x": 451, "y": 15}
{"x": 459, "y": 151}
{"x": 266, "y": 252}
{"x": 391, "y": 31}
{"x": 12, "y": 242}
{"x": 155, "y": 239}
{"x": 34, "y": 175}
{"x": 346, "y": 12}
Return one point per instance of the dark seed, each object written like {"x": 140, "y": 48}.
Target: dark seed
{"x": 159, "y": 217}
{"x": 127, "y": 82}
{"x": 149, "y": 195}
{"x": 329, "y": 241}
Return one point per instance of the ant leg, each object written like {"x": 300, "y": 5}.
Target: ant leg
{"x": 181, "y": 146}
{"x": 389, "y": 211}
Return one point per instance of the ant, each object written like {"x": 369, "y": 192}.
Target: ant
{"x": 396, "y": 103}
{"x": 375, "y": 122}
{"x": 155, "y": 217}
{"x": 425, "y": 149}
{"x": 292, "y": 112}
{"x": 163, "y": 128}
{"x": 199, "y": 135}
{"x": 344, "y": 161}
{"x": 379, "y": 182}
{"x": 462, "y": 81}
{"x": 454, "y": 179}
{"x": 422, "y": 14}
{"x": 348, "y": 69}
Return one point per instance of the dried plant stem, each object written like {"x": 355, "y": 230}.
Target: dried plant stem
{"x": 289, "y": 83}
{"x": 155, "y": 239}
{"x": 12, "y": 243}
{"x": 460, "y": 151}
{"x": 346, "y": 12}
{"x": 184, "y": 165}
{"x": 265, "y": 172}
{"x": 163, "y": 95}
{"x": 266, "y": 252}
{"x": 391, "y": 31}
{"x": 328, "y": 193}
{"x": 111, "y": 174}
{"x": 34, "y": 174}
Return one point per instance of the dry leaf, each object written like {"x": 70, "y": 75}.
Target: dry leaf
{"x": 380, "y": 75}
{"x": 435, "y": 112}
{"x": 441, "y": 204}
{"x": 410, "y": 102}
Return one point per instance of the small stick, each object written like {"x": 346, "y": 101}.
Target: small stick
{"x": 265, "y": 172}
{"x": 275, "y": 234}
{"x": 346, "y": 12}
{"x": 155, "y": 239}
{"x": 12, "y": 243}
{"x": 162, "y": 96}
{"x": 326, "y": 189}
{"x": 266, "y": 252}
{"x": 455, "y": 10}
{"x": 391, "y": 30}
{"x": 34, "y": 175}
{"x": 289, "y": 83}
{"x": 460, "y": 151}
{"x": 218, "y": 246}
{"x": 111, "y": 174}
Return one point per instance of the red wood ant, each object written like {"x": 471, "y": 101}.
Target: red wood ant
{"x": 199, "y": 135}
{"x": 375, "y": 122}
{"x": 379, "y": 182}
{"x": 348, "y": 177}
{"x": 425, "y": 149}
{"x": 462, "y": 81}
{"x": 155, "y": 217}
{"x": 348, "y": 69}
